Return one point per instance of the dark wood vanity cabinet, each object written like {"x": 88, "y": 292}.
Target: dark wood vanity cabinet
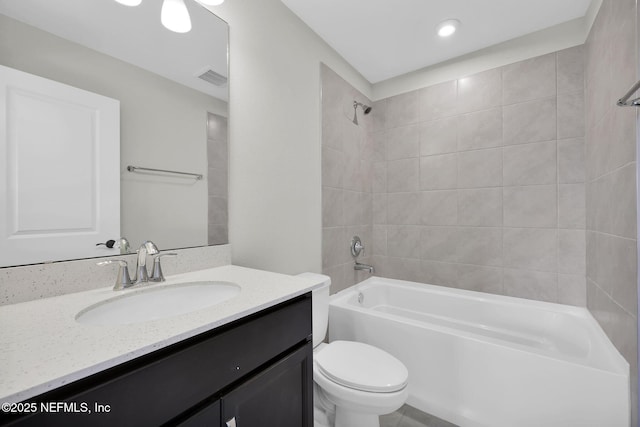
{"x": 273, "y": 397}
{"x": 254, "y": 372}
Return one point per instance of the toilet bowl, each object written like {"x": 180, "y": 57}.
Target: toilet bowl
{"x": 354, "y": 383}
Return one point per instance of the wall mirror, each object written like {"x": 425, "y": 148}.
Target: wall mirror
{"x": 172, "y": 92}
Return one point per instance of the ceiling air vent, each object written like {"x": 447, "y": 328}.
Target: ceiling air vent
{"x": 210, "y": 76}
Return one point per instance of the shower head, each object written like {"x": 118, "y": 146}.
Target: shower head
{"x": 365, "y": 108}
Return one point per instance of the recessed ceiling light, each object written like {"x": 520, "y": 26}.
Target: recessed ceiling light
{"x": 448, "y": 27}
{"x": 212, "y": 2}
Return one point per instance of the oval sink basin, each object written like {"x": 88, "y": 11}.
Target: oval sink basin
{"x": 158, "y": 303}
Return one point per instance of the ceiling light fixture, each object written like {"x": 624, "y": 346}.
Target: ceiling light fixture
{"x": 130, "y": 2}
{"x": 211, "y": 2}
{"x": 448, "y": 27}
{"x": 175, "y": 16}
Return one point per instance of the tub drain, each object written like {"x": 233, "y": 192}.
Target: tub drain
{"x": 360, "y": 297}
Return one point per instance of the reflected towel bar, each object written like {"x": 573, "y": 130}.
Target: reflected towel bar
{"x": 138, "y": 168}
{"x": 624, "y": 101}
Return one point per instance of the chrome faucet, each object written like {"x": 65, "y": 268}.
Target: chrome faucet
{"x": 156, "y": 274}
{"x": 147, "y": 248}
{"x": 123, "y": 281}
{"x": 360, "y": 266}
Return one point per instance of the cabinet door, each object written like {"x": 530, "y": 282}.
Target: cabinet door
{"x": 207, "y": 417}
{"x": 280, "y": 396}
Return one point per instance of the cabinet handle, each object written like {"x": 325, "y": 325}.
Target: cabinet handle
{"x": 231, "y": 422}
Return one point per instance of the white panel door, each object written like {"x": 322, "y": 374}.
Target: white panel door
{"x": 59, "y": 170}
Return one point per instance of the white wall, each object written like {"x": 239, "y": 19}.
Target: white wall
{"x": 275, "y": 180}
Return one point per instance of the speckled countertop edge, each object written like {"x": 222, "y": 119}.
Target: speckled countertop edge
{"x": 43, "y": 347}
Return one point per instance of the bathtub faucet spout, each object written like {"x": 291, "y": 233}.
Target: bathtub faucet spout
{"x": 360, "y": 266}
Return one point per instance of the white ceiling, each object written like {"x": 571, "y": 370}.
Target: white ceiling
{"x": 135, "y": 35}
{"x": 387, "y": 38}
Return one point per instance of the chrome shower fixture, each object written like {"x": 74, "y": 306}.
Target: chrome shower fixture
{"x": 364, "y": 107}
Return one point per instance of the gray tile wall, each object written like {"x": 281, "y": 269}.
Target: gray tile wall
{"x": 218, "y": 160}
{"x": 611, "y": 69}
{"x": 347, "y": 178}
{"x": 478, "y": 183}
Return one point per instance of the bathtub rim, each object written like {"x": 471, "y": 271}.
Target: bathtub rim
{"x": 615, "y": 364}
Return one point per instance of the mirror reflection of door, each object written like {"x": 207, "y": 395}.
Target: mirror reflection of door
{"x": 60, "y": 146}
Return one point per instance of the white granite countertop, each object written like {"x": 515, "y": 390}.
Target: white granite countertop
{"x": 43, "y": 347}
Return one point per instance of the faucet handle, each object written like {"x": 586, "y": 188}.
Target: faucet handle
{"x": 156, "y": 274}
{"x": 356, "y": 247}
{"x": 124, "y": 246}
{"x": 123, "y": 280}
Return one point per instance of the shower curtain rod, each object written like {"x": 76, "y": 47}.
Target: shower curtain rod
{"x": 624, "y": 101}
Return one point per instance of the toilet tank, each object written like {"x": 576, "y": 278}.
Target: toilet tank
{"x": 319, "y": 306}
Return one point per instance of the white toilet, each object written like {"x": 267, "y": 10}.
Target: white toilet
{"x": 354, "y": 383}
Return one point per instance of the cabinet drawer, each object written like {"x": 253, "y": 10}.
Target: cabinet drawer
{"x": 153, "y": 389}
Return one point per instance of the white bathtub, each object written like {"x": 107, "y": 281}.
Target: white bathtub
{"x": 481, "y": 360}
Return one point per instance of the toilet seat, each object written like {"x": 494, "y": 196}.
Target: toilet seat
{"x": 361, "y": 367}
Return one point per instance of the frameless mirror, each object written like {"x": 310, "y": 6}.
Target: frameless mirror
{"x": 172, "y": 92}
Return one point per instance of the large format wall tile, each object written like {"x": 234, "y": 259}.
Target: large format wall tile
{"x": 482, "y": 129}
{"x": 480, "y": 168}
{"x": 402, "y": 110}
{"x": 439, "y": 172}
{"x": 403, "y": 208}
{"x": 349, "y": 176}
{"x": 571, "y": 70}
{"x": 572, "y": 251}
{"x": 438, "y": 101}
{"x": 403, "y": 142}
{"x": 438, "y": 136}
{"x": 571, "y": 206}
{"x": 402, "y": 175}
{"x": 439, "y": 207}
{"x": 571, "y": 115}
{"x": 531, "y": 248}
{"x": 530, "y": 164}
{"x": 536, "y": 285}
{"x": 610, "y": 168}
{"x": 403, "y": 241}
{"x": 480, "y": 278}
{"x": 572, "y": 289}
{"x": 531, "y": 121}
{"x": 480, "y": 91}
{"x": 332, "y": 207}
{"x": 531, "y": 79}
{"x": 531, "y": 206}
{"x": 477, "y": 183}
{"x": 480, "y": 207}
{"x": 440, "y": 243}
{"x": 480, "y": 246}
{"x": 571, "y": 162}
{"x": 438, "y": 273}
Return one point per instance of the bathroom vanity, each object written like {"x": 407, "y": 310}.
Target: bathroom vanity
{"x": 249, "y": 364}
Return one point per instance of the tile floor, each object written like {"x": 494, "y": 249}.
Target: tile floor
{"x": 408, "y": 416}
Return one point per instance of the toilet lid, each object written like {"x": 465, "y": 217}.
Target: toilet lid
{"x": 362, "y": 367}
